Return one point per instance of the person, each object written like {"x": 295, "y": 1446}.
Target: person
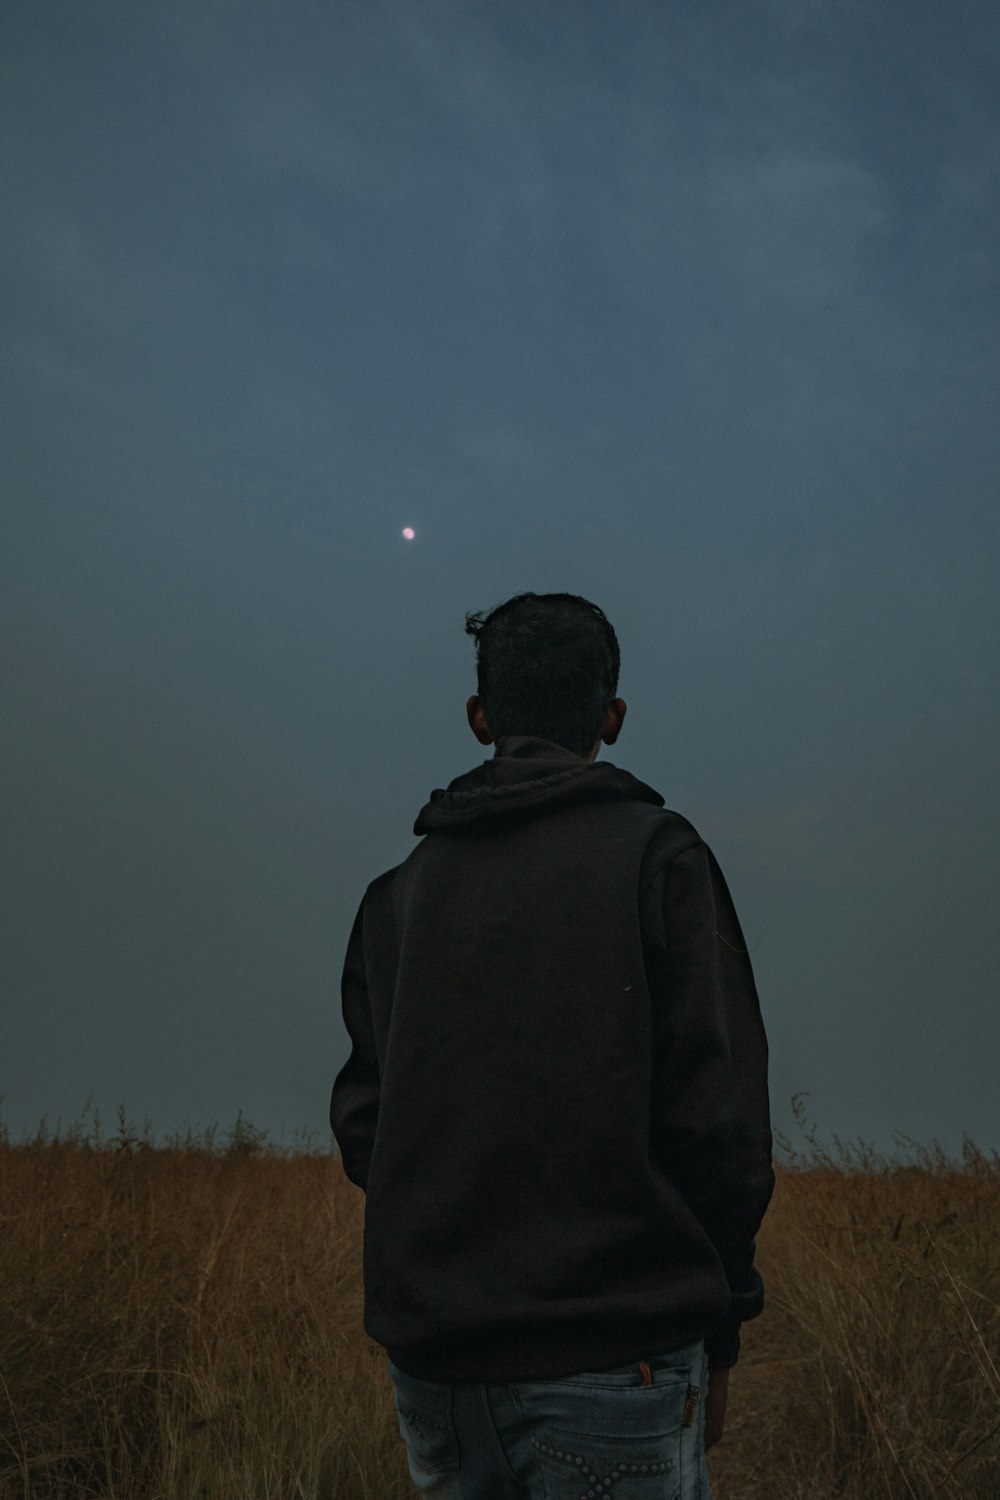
{"x": 555, "y": 1101}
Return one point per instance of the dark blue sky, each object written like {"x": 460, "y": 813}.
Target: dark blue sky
{"x": 692, "y": 310}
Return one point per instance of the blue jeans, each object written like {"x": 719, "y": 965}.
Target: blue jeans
{"x": 632, "y": 1433}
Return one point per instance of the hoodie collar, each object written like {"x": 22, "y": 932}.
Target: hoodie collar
{"x": 526, "y": 773}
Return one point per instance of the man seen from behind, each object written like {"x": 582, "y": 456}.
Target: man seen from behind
{"x": 556, "y": 1101}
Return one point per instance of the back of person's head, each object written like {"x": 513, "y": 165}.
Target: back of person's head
{"x": 547, "y": 665}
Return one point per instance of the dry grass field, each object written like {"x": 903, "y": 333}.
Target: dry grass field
{"x": 185, "y": 1322}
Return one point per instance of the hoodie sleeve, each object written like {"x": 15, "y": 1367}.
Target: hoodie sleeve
{"x": 710, "y": 1116}
{"x": 355, "y": 1100}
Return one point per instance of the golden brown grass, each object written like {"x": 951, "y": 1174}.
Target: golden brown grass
{"x": 185, "y": 1322}
{"x": 874, "y": 1370}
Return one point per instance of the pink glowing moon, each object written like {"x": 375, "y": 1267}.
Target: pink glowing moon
{"x": 409, "y": 533}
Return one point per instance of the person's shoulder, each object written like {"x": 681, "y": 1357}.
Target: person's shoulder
{"x": 673, "y": 827}
{"x": 383, "y": 882}
{"x": 671, "y": 833}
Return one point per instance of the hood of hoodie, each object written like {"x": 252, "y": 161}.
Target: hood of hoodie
{"x": 527, "y": 773}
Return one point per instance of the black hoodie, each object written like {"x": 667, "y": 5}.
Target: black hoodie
{"x": 556, "y": 1099}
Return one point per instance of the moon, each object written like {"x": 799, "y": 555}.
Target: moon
{"x": 409, "y": 533}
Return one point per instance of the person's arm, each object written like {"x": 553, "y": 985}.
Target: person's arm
{"x": 715, "y": 1405}
{"x": 711, "y": 1122}
{"x": 355, "y": 1099}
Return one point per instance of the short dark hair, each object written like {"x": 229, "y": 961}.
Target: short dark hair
{"x": 547, "y": 665}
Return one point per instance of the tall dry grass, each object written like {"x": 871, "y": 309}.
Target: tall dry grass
{"x": 185, "y": 1322}
{"x": 874, "y": 1370}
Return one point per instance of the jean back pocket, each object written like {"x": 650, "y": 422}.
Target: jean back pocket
{"x": 426, "y": 1424}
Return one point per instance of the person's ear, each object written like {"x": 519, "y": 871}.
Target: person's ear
{"x": 614, "y": 717}
{"x": 477, "y": 720}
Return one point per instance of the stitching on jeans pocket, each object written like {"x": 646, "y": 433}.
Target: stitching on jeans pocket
{"x": 578, "y": 1477}
{"x": 635, "y": 1412}
{"x": 498, "y": 1442}
{"x": 430, "y": 1437}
